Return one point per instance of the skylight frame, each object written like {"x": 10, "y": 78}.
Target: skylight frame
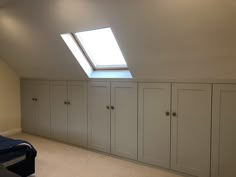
{"x": 83, "y": 51}
{"x": 90, "y": 61}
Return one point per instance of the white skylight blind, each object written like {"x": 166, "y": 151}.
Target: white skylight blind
{"x": 101, "y": 49}
{"x": 98, "y": 53}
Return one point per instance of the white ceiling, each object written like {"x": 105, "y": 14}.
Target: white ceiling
{"x": 160, "y": 39}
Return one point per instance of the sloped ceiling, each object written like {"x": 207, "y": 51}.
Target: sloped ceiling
{"x": 160, "y": 39}
{"x": 3, "y": 2}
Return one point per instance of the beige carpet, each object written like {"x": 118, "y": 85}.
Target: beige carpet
{"x": 61, "y": 160}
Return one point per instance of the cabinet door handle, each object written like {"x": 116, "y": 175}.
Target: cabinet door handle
{"x": 68, "y": 102}
{"x": 65, "y": 102}
{"x": 33, "y": 99}
{"x": 112, "y": 107}
{"x": 167, "y": 113}
{"x": 174, "y": 114}
{"x": 108, "y": 107}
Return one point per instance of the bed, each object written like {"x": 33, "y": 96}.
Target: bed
{"x": 17, "y": 156}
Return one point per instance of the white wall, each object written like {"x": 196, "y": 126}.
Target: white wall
{"x": 10, "y": 115}
{"x": 160, "y": 39}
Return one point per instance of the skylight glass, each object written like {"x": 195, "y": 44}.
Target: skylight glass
{"x": 102, "y": 49}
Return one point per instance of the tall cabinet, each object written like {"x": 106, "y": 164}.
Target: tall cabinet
{"x": 77, "y": 113}
{"x": 112, "y": 118}
{"x": 59, "y": 110}
{"x": 191, "y": 129}
{"x": 99, "y": 116}
{"x": 36, "y": 107}
{"x": 69, "y": 111}
{"x": 174, "y": 126}
{"x": 154, "y": 123}
{"x": 224, "y": 131}
{"x": 124, "y": 119}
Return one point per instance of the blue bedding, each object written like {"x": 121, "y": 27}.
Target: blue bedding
{"x": 11, "y": 149}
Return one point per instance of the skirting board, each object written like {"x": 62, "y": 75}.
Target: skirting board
{"x": 11, "y": 132}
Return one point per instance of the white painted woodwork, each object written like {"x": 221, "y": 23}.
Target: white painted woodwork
{"x": 77, "y": 113}
{"x": 29, "y": 121}
{"x": 154, "y": 124}
{"x": 181, "y": 142}
{"x": 124, "y": 119}
{"x": 59, "y": 110}
{"x": 99, "y": 116}
{"x": 36, "y": 114}
{"x": 224, "y": 131}
{"x": 43, "y": 108}
{"x": 190, "y": 129}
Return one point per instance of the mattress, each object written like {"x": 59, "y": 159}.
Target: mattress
{"x": 14, "y": 151}
{"x": 12, "y": 161}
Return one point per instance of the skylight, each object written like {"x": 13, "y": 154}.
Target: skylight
{"x": 98, "y": 53}
{"x": 101, "y": 48}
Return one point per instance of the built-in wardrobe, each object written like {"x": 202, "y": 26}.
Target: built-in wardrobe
{"x": 112, "y": 118}
{"x": 224, "y": 130}
{"x": 184, "y": 127}
{"x": 35, "y": 104}
{"x": 69, "y": 111}
{"x": 175, "y": 126}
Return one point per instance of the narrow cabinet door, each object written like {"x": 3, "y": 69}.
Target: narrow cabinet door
{"x": 154, "y": 123}
{"x": 29, "y": 117}
{"x": 43, "y": 109}
{"x": 77, "y": 113}
{"x": 191, "y": 125}
{"x": 59, "y": 110}
{"x": 224, "y": 130}
{"x": 99, "y": 116}
{"x": 124, "y": 119}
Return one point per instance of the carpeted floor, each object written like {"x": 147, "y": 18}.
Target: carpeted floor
{"x": 61, "y": 160}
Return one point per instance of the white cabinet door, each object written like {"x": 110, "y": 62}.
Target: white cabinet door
{"x": 59, "y": 110}
{"x": 190, "y": 143}
{"x": 77, "y": 113}
{"x": 124, "y": 119}
{"x": 99, "y": 116}
{"x": 36, "y": 107}
{"x": 43, "y": 108}
{"x": 29, "y": 117}
{"x": 224, "y": 131}
{"x": 154, "y": 123}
